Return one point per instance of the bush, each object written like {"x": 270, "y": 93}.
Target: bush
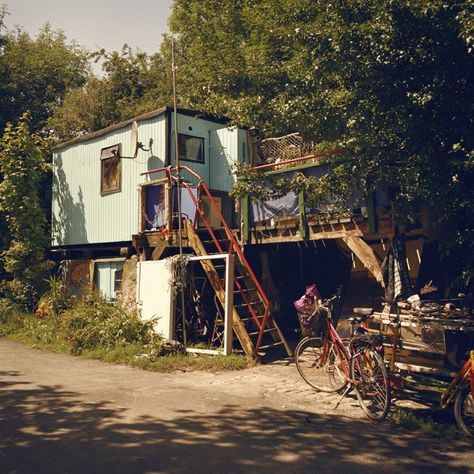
{"x": 96, "y": 322}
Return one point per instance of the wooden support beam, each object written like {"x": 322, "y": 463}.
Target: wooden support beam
{"x": 366, "y": 255}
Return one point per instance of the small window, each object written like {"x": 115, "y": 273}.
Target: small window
{"x": 191, "y": 148}
{"x": 118, "y": 276}
{"x": 110, "y": 172}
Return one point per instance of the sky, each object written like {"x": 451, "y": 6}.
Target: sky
{"x": 96, "y": 24}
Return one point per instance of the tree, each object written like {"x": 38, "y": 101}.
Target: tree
{"x": 23, "y": 165}
{"x": 133, "y": 83}
{"x": 36, "y": 73}
{"x": 388, "y": 81}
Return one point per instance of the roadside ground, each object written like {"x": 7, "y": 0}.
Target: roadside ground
{"x": 65, "y": 414}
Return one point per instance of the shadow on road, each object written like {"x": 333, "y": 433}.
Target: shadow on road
{"x": 48, "y": 429}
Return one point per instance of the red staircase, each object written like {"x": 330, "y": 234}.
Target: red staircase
{"x": 253, "y": 323}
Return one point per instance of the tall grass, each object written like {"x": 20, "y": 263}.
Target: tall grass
{"x": 96, "y": 328}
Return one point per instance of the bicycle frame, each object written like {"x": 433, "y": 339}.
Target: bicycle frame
{"x": 332, "y": 335}
{"x": 464, "y": 375}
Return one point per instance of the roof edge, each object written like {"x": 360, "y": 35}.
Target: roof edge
{"x": 146, "y": 116}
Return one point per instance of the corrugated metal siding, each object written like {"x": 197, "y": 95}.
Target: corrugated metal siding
{"x": 81, "y": 215}
{"x": 225, "y": 152}
{"x": 222, "y": 149}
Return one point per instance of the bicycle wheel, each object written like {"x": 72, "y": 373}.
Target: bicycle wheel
{"x": 371, "y": 383}
{"x": 464, "y": 409}
{"x": 320, "y": 365}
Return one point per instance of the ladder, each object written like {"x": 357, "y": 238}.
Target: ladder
{"x": 253, "y": 324}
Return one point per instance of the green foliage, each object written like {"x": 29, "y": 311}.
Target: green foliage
{"x": 23, "y": 166}
{"x": 51, "y": 334}
{"x": 424, "y": 424}
{"x": 36, "y": 73}
{"x": 387, "y": 81}
{"x": 96, "y": 322}
{"x": 133, "y": 83}
{"x": 55, "y": 300}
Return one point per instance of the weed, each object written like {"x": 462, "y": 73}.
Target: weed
{"x": 424, "y": 424}
{"x": 97, "y": 329}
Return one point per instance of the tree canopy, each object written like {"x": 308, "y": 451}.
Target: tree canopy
{"x": 36, "y": 73}
{"x": 389, "y": 82}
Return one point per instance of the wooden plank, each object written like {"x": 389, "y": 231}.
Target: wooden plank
{"x": 335, "y": 234}
{"x": 158, "y": 252}
{"x": 213, "y": 277}
{"x": 366, "y": 255}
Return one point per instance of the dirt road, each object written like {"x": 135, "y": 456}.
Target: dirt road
{"x": 62, "y": 414}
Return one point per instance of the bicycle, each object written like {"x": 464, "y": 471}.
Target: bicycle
{"x": 330, "y": 364}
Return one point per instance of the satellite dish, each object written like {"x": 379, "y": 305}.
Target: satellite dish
{"x": 134, "y": 145}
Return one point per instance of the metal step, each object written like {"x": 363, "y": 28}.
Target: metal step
{"x": 246, "y": 305}
{"x": 213, "y": 242}
{"x": 245, "y": 290}
{"x": 251, "y": 318}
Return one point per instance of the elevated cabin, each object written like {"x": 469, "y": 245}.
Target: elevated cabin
{"x": 115, "y": 194}
{"x": 100, "y": 194}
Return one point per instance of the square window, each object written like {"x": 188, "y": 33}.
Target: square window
{"x": 110, "y": 169}
{"x": 190, "y": 148}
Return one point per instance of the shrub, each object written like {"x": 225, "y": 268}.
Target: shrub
{"x": 96, "y": 322}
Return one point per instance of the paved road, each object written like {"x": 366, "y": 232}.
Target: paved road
{"x": 62, "y": 414}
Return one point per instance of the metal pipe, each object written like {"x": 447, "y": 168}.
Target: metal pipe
{"x": 176, "y": 154}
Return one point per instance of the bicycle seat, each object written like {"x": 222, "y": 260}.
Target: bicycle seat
{"x": 363, "y": 311}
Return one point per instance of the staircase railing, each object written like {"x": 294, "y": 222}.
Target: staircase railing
{"x": 233, "y": 243}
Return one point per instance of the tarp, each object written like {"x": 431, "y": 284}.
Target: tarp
{"x": 261, "y": 210}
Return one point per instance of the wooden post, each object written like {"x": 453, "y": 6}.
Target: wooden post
{"x": 372, "y": 218}
{"x": 302, "y": 214}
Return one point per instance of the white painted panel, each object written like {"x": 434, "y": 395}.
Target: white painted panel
{"x": 154, "y": 296}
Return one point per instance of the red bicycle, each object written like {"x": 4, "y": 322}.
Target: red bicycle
{"x": 329, "y": 363}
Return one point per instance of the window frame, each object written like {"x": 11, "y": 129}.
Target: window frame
{"x": 110, "y": 153}
{"x": 202, "y": 149}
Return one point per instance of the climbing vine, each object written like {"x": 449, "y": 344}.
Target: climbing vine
{"x": 336, "y": 190}
{"x": 23, "y": 167}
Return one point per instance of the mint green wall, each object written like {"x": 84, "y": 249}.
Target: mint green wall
{"x": 81, "y": 215}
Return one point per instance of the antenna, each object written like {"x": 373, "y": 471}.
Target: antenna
{"x": 176, "y": 154}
